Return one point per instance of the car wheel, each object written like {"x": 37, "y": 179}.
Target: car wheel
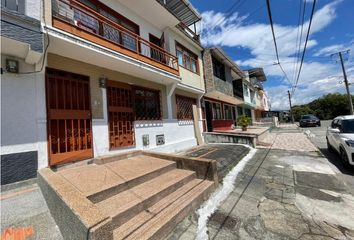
{"x": 319, "y": 124}
{"x": 344, "y": 157}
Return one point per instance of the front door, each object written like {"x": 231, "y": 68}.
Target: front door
{"x": 120, "y": 115}
{"x": 68, "y": 117}
{"x": 209, "y": 116}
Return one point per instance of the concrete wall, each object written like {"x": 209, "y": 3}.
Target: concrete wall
{"x": 33, "y": 8}
{"x": 23, "y": 122}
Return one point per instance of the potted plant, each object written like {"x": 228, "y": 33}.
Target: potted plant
{"x": 244, "y": 121}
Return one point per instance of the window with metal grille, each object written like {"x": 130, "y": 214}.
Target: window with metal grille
{"x": 147, "y": 104}
{"x": 185, "y": 107}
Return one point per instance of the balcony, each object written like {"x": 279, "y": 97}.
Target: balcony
{"x": 82, "y": 21}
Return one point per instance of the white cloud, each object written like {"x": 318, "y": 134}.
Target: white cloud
{"x": 326, "y": 51}
{"x": 257, "y": 38}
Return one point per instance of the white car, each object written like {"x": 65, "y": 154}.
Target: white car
{"x": 340, "y": 137}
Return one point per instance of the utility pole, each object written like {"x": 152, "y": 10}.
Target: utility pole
{"x": 291, "y": 109}
{"x": 346, "y": 82}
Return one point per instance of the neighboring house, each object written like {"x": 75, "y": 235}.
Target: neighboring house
{"x": 221, "y": 99}
{"x": 257, "y": 77}
{"x": 119, "y": 75}
{"x": 22, "y": 125}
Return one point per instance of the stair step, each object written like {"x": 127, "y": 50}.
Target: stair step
{"x": 127, "y": 228}
{"x": 129, "y": 203}
{"x": 164, "y": 221}
{"x": 137, "y": 172}
{"x": 99, "y": 182}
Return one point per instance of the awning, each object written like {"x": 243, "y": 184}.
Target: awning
{"x": 257, "y": 73}
{"x": 223, "y": 97}
{"x": 182, "y": 10}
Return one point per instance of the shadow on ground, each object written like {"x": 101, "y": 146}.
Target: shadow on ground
{"x": 334, "y": 158}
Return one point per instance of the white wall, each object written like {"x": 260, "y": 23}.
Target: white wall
{"x": 23, "y": 112}
{"x": 33, "y": 8}
{"x": 178, "y": 135}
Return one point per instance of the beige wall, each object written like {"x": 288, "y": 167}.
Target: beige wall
{"x": 94, "y": 72}
{"x": 188, "y": 77}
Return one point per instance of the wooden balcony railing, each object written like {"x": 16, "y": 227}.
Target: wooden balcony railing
{"x": 80, "y": 20}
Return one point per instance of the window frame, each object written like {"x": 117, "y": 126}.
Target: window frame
{"x": 230, "y": 109}
{"x": 190, "y": 99}
{"x": 187, "y": 55}
{"x": 218, "y": 69}
{"x": 215, "y": 117}
{"x": 158, "y": 101}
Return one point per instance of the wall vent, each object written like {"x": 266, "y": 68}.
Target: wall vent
{"x": 160, "y": 139}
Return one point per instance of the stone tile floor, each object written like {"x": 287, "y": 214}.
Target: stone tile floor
{"x": 281, "y": 194}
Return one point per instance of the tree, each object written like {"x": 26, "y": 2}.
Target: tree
{"x": 326, "y": 107}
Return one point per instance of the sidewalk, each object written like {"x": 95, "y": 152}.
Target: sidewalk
{"x": 288, "y": 191}
{"x": 25, "y": 215}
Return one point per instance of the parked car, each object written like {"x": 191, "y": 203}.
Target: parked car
{"x": 340, "y": 137}
{"x": 309, "y": 120}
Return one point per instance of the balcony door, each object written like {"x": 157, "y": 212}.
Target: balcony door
{"x": 120, "y": 115}
{"x": 68, "y": 117}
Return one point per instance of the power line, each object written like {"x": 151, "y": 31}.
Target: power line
{"x": 298, "y": 40}
{"x": 275, "y": 42}
{"x": 304, "y": 51}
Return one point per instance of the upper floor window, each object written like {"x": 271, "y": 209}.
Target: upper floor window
{"x": 186, "y": 58}
{"x": 14, "y": 5}
{"x": 218, "y": 69}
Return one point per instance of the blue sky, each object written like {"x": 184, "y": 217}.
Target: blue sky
{"x": 245, "y": 35}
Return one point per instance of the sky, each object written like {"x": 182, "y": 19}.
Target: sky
{"x": 245, "y": 35}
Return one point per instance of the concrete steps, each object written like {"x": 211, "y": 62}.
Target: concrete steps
{"x": 127, "y": 204}
{"x": 147, "y": 216}
{"x": 135, "y": 196}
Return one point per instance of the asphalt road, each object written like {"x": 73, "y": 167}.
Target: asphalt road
{"x": 318, "y": 137}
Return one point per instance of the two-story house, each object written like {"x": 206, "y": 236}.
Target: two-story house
{"x": 117, "y": 76}
{"x": 22, "y": 48}
{"x": 220, "y": 100}
{"x": 257, "y": 78}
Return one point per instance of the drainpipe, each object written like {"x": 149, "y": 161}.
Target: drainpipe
{"x": 169, "y": 90}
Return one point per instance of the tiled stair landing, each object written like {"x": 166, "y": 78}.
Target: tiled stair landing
{"x": 140, "y": 196}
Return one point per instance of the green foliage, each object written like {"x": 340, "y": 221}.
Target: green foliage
{"x": 244, "y": 121}
{"x": 326, "y": 107}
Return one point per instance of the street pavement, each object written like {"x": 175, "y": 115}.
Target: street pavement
{"x": 282, "y": 193}
{"x": 318, "y": 136}
{"x": 25, "y": 215}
